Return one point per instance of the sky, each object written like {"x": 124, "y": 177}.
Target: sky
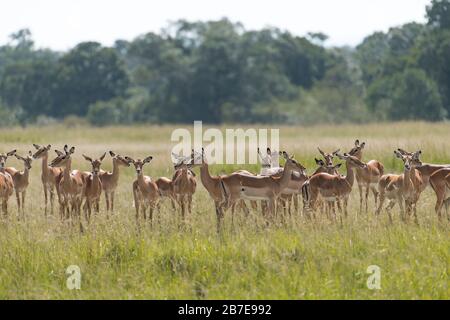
{"x": 61, "y": 24}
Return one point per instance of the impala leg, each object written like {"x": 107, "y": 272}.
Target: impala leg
{"x": 5, "y": 207}
{"x": 52, "y": 200}
{"x": 18, "y": 201}
{"x": 23, "y": 203}
{"x": 190, "y": 204}
{"x": 375, "y": 195}
{"x": 112, "y": 201}
{"x": 360, "y": 196}
{"x": 45, "y": 200}
{"x": 295, "y": 202}
{"x": 107, "y": 201}
{"x": 367, "y": 197}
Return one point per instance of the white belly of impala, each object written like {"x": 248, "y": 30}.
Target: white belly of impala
{"x": 253, "y": 194}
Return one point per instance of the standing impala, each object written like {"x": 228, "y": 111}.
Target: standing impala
{"x": 93, "y": 187}
{"x": 110, "y": 180}
{"x": 184, "y": 186}
{"x": 145, "y": 190}
{"x": 402, "y": 187}
{"x": 21, "y": 180}
{"x": 367, "y": 177}
{"x": 50, "y": 176}
{"x": 6, "y": 181}
{"x": 71, "y": 184}
{"x": 440, "y": 182}
{"x": 332, "y": 188}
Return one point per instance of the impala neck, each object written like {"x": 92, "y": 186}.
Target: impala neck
{"x": 45, "y": 168}
{"x": 407, "y": 174}
{"x": 350, "y": 177}
{"x": 67, "y": 169}
{"x": 285, "y": 177}
{"x": 140, "y": 179}
{"x": 205, "y": 176}
{"x": 115, "y": 170}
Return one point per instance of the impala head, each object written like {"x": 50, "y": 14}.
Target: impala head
{"x": 331, "y": 169}
{"x": 96, "y": 164}
{"x": 62, "y": 157}
{"x": 291, "y": 162}
{"x": 41, "y": 151}
{"x": 410, "y": 160}
{"x": 328, "y": 157}
{"x": 266, "y": 159}
{"x": 118, "y": 159}
{"x": 352, "y": 161}
{"x": 139, "y": 164}
{"x": 26, "y": 160}
{"x": 357, "y": 149}
{"x": 4, "y": 157}
{"x": 182, "y": 162}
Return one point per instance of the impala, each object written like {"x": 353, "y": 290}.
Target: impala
{"x": 440, "y": 182}
{"x": 6, "y": 181}
{"x": 21, "y": 180}
{"x": 399, "y": 188}
{"x": 71, "y": 184}
{"x": 330, "y": 187}
{"x": 145, "y": 190}
{"x": 50, "y": 176}
{"x": 184, "y": 186}
{"x": 368, "y": 176}
{"x": 268, "y": 188}
{"x": 93, "y": 187}
{"x": 110, "y": 180}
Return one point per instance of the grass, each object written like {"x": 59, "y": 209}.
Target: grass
{"x": 294, "y": 259}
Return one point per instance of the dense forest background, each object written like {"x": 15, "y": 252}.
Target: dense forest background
{"x": 219, "y": 72}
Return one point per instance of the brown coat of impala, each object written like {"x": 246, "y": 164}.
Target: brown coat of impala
{"x": 145, "y": 191}
{"x": 367, "y": 177}
{"x": 50, "y": 176}
{"x": 399, "y": 188}
{"x": 440, "y": 183}
{"x": 6, "y": 181}
{"x": 93, "y": 186}
{"x": 184, "y": 186}
{"x": 71, "y": 185}
{"x": 110, "y": 180}
{"x": 268, "y": 188}
{"x": 332, "y": 187}
{"x": 21, "y": 180}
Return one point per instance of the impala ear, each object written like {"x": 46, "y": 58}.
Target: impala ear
{"x": 19, "y": 157}
{"x": 112, "y": 154}
{"x": 269, "y": 152}
{"x": 72, "y": 150}
{"x": 87, "y": 158}
{"x": 336, "y": 152}
{"x": 131, "y": 160}
{"x": 65, "y": 148}
{"x": 58, "y": 153}
{"x": 398, "y": 154}
{"x": 362, "y": 145}
{"x": 337, "y": 166}
{"x": 356, "y": 143}
{"x": 48, "y": 147}
{"x": 102, "y": 157}
{"x": 36, "y": 146}
{"x": 321, "y": 152}
{"x": 292, "y": 157}
{"x": 30, "y": 153}
{"x": 148, "y": 159}
{"x": 11, "y": 153}
{"x": 319, "y": 162}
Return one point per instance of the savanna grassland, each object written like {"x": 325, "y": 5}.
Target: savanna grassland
{"x": 291, "y": 258}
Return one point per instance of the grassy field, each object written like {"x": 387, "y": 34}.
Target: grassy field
{"x": 294, "y": 259}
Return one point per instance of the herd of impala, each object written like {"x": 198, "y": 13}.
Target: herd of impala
{"x": 274, "y": 186}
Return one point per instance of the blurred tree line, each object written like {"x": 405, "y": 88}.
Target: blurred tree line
{"x": 219, "y": 72}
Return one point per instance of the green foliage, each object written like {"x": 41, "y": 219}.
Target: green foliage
{"x": 217, "y": 71}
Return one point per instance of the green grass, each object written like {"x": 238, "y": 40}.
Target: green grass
{"x": 292, "y": 259}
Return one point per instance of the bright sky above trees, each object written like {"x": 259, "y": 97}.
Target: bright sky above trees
{"x": 60, "y": 24}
